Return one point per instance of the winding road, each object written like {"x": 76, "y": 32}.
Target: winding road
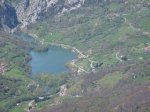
{"x": 135, "y": 29}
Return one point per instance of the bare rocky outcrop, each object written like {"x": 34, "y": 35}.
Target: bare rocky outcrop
{"x": 147, "y": 49}
{"x": 29, "y": 11}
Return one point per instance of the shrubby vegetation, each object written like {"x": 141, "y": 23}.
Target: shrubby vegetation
{"x": 51, "y": 82}
{"x": 114, "y": 35}
{"x": 15, "y": 81}
{"x": 112, "y": 90}
{"x": 103, "y": 30}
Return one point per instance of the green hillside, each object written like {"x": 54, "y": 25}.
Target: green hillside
{"x": 111, "y": 73}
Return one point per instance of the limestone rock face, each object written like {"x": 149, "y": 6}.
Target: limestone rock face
{"x": 29, "y": 11}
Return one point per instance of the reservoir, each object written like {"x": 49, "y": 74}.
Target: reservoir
{"x": 52, "y": 61}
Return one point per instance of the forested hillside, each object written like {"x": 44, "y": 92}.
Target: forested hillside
{"x": 111, "y": 39}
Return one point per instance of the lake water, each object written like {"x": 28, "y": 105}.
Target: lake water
{"x": 53, "y": 61}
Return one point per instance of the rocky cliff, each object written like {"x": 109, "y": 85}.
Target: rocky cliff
{"x": 29, "y": 11}
{"x": 8, "y": 17}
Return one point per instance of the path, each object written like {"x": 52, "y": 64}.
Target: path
{"x": 117, "y": 57}
{"x": 135, "y": 29}
{"x": 130, "y": 24}
{"x": 79, "y": 68}
{"x": 91, "y": 65}
{"x": 80, "y": 54}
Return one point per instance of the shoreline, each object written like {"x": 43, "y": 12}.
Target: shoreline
{"x": 71, "y": 64}
{"x": 74, "y": 49}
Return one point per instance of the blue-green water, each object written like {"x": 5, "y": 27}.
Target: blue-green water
{"x": 53, "y": 61}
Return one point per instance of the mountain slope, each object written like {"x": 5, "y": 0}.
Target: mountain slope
{"x": 112, "y": 39}
{"x": 115, "y": 38}
{"x": 8, "y": 17}
{"x": 29, "y": 11}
